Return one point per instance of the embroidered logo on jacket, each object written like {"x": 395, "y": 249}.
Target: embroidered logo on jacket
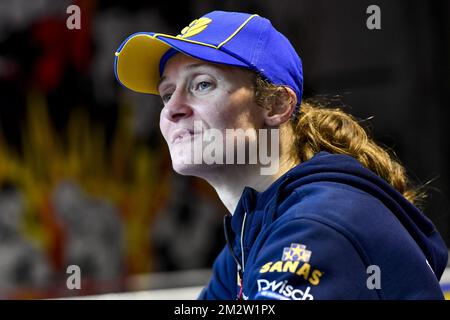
{"x": 295, "y": 259}
{"x": 296, "y": 252}
{"x": 281, "y": 290}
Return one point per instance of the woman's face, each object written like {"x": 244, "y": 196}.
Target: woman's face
{"x": 199, "y": 96}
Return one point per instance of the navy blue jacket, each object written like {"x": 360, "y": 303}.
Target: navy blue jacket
{"x": 328, "y": 229}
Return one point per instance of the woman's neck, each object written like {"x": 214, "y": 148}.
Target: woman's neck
{"x": 230, "y": 182}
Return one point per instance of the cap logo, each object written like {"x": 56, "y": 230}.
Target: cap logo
{"x": 195, "y": 27}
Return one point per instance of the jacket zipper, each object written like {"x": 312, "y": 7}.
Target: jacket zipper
{"x": 241, "y": 291}
{"x": 240, "y": 267}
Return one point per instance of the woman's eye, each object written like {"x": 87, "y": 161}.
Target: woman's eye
{"x": 166, "y": 97}
{"x": 203, "y": 85}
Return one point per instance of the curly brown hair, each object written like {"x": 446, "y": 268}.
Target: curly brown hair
{"x": 318, "y": 127}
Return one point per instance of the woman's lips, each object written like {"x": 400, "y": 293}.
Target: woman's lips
{"x": 181, "y": 134}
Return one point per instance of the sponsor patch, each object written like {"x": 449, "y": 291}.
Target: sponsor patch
{"x": 300, "y": 269}
{"x": 296, "y": 252}
{"x": 295, "y": 259}
{"x": 282, "y": 290}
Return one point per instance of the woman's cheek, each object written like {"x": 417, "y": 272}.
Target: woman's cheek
{"x": 163, "y": 127}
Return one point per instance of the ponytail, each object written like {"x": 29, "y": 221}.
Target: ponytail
{"x": 319, "y": 128}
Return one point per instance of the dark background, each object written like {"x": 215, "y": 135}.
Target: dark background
{"x": 397, "y": 76}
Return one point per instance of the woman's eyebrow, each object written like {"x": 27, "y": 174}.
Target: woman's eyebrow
{"x": 198, "y": 65}
{"x": 189, "y": 67}
{"x": 163, "y": 78}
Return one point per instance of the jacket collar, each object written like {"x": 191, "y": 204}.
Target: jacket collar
{"x": 252, "y": 200}
{"x": 267, "y": 201}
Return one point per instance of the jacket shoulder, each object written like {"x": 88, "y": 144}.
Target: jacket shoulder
{"x": 374, "y": 232}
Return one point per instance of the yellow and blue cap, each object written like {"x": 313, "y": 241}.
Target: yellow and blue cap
{"x": 229, "y": 38}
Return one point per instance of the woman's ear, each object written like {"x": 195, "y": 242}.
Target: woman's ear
{"x": 279, "y": 109}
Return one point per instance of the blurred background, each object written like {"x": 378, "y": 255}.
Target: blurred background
{"x": 86, "y": 178}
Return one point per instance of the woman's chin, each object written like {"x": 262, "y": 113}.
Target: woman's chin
{"x": 185, "y": 170}
{"x": 197, "y": 170}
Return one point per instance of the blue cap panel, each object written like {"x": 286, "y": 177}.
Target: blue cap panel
{"x": 230, "y": 38}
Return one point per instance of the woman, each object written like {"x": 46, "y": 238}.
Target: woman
{"x": 333, "y": 218}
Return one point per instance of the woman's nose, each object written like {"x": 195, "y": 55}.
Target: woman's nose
{"x": 177, "y": 107}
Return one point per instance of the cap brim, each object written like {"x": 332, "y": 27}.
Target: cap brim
{"x": 138, "y": 59}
